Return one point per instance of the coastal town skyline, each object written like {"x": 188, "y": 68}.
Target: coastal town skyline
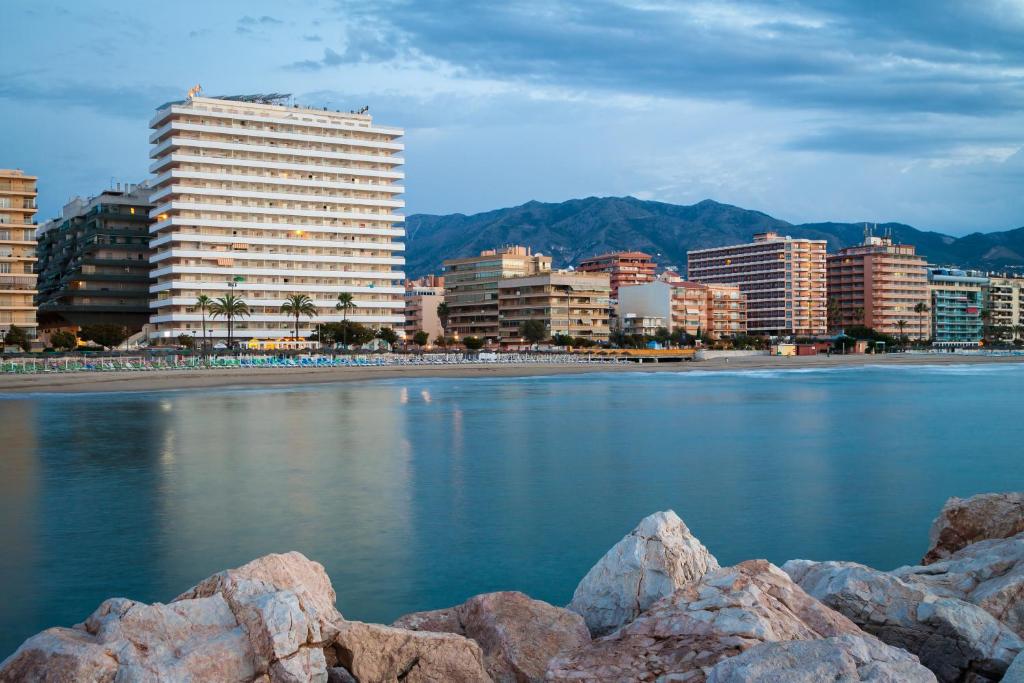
{"x": 833, "y": 141}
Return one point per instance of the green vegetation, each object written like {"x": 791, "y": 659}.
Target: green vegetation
{"x": 344, "y": 333}
{"x": 298, "y": 305}
{"x": 388, "y": 335}
{"x": 203, "y": 303}
{"x": 64, "y": 341}
{"x": 106, "y": 335}
{"x": 473, "y": 343}
{"x": 421, "y": 338}
{"x": 18, "y": 337}
{"x": 345, "y": 304}
{"x": 533, "y": 331}
{"x": 229, "y": 307}
{"x": 186, "y": 340}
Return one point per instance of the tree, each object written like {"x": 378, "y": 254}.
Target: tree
{"x": 902, "y": 324}
{"x": 388, "y": 335}
{"x": 203, "y": 303}
{"x": 298, "y": 305}
{"x": 63, "y": 340}
{"x": 421, "y": 338}
{"x": 662, "y": 335}
{"x": 18, "y": 337}
{"x": 920, "y": 308}
{"x": 562, "y": 339}
{"x": 107, "y": 335}
{"x": 986, "y": 325}
{"x": 186, "y": 340}
{"x": 858, "y": 315}
{"x": 442, "y": 317}
{"x": 351, "y": 332}
{"x": 533, "y": 331}
{"x": 346, "y": 302}
{"x": 473, "y": 343}
{"x": 835, "y": 314}
{"x": 442, "y": 341}
{"x": 229, "y": 307}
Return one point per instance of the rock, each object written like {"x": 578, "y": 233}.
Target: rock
{"x": 659, "y": 556}
{"x": 267, "y": 621}
{"x": 989, "y": 574}
{"x": 955, "y": 639}
{"x": 725, "y": 613}
{"x": 372, "y": 652}
{"x": 339, "y": 674}
{"x": 964, "y": 521}
{"x": 1015, "y": 674}
{"x": 518, "y": 635}
{"x": 58, "y": 655}
{"x": 845, "y": 658}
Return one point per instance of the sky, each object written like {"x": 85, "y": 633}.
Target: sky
{"x": 809, "y": 110}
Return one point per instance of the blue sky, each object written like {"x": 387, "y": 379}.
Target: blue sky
{"x": 909, "y": 111}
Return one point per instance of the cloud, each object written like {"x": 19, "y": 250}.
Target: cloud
{"x": 313, "y": 38}
{"x": 248, "y": 24}
{"x": 133, "y": 102}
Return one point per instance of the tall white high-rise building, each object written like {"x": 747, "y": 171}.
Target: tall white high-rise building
{"x": 265, "y": 200}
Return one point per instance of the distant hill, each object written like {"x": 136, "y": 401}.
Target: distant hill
{"x": 572, "y": 230}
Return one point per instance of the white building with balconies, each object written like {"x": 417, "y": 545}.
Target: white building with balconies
{"x": 265, "y": 200}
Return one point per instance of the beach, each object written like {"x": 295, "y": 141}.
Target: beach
{"x": 159, "y": 380}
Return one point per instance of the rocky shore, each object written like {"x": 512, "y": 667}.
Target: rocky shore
{"x": 656, "y": 607}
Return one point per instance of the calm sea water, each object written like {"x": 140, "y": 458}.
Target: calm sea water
{"x": 418, "y": 494}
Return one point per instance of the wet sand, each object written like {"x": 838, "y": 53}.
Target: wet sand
{"x": 254, "y": 377}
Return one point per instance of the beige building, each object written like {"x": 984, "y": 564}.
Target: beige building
{"x": 266, "y": 200}
{"x": 422, "y": 297}
{"x": 567, "y": 302}
{"x": 694, "y": 307}
{"x": 17, "y": 252}
{"x": 878, "y": 284}
{"x": 783, "y": 279}
{"x": 1005, "y": 304}
{"x": 471, "y": 288}
{"x": 626, "y": 268}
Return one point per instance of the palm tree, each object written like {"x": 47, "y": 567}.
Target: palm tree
{"x": 203, "y": 302}
{"x": 230, "y": 307}
{"x": 920, "y": 308}
{"x": 442, "y": 317}
{"x": 298, "y": 305}
{"x": 345, "y": 304}
{"x": 902, "y": 324}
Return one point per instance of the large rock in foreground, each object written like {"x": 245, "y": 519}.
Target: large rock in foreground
{"x": 989, "y": 574}
{"x": 659, "y": 556}
{"x": 845, "y": 658}
{"x": 955, "y": 639}
{"x": 518, "y": 635}
{"x": 723, "y": 614}
{"x": 268, "y": 620}
{"x": 371, "y": 652}
{"x": 964, "y": 521}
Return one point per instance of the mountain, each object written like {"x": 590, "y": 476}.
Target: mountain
{"x": 578, "y": 228}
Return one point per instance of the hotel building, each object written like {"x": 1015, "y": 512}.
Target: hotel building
{"x": 715, "y": 309}
{"x": 94, "y": 262}
{"x": 1005, "y": 303}
{"x": 783, "y": 279}
{"x": 567, "y": 302}
{"x": 471, "y": 288}
{"x": 422, "y": 297}
{"x": 17, "y": 252}
{"x": 957, "y": 300}
{"x": 625, "y": 268}
{"x": 878, "y": 284}
{"x": 265, "y": 200}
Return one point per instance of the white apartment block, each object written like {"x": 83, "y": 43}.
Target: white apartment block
{"x": 265, "y": 200}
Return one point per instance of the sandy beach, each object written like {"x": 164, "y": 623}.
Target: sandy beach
{"x": 249, "y": 377}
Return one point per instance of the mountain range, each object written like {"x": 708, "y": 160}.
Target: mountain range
{"x": 572, "y": 230}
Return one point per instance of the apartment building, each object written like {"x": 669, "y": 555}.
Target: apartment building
{"x": 422, "y": 297}
{"x": 17, "y": 252}
{"x": 567, "y": 302}
{"x": 93, "y": 262}
{"x": 878, "y": 284}
{"x": 1004, "y": 301}
{"x": 265, "y": 200}
{"x": 625, "y": 268}
{"x": 713, "y": 309}
{"x": 471, "y": 288}
{"x": 783, "y": 279}
{"x": 957, "y": 302}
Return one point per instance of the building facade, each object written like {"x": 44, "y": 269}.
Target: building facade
{"x": 17, "y": 252}
{"x": 783, "y": 279}
{"x": 422, "y": 297}
{"x": 566, "y": 302}
{"x": 264, "y": 200}
{"x": 94, "y": 262}
{"x": 471, "y": 288}
{"x": 957, "y": 302}
{"x": 710, "y": 309}
{"x": 879, "y": 284}
{"x": 1005, "y": 303}
{"x": 625, "y": 268}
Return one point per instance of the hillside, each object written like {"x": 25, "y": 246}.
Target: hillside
{"x": 578, "y": 228}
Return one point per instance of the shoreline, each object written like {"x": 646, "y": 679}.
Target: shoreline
{"x": 221, "y": 378}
